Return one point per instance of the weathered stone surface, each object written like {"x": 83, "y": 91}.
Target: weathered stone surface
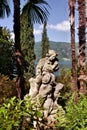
{"x": 45, "y": 90}
{"x": 34, "y": 89}
{"x": 45, "y": 85}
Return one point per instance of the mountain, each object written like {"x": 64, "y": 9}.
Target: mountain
{"x": 62, "y": 48}
{"x": 64, "y": 52}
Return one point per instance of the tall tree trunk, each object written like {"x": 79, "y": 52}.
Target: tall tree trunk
{"x": 82, "y": 42}
{"x": 73, "y": 49}
{"x": 18, "y": 54}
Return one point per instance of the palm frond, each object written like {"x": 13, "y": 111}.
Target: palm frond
{"x": 37, "y": 10}
{"x": 71, "y": 5}
{"x": 39, "y": 2}
{"x": 41, "y": 14}
{"x": 4, "y": 8}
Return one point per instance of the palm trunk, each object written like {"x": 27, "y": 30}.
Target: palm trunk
{"x": 82, "y": 42}
{"x": 20, "y": 79}
{"x": 73, "y": 49}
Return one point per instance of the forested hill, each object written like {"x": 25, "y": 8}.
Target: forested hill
{"x": 62, "y": 48}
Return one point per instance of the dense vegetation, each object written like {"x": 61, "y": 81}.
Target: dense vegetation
{"x": 6, "y": 53}
{"x": 15, "y": 108}
{"x": 19, "y": 114}
{"x": 75, "y": 116}
{"x": 22, "y": 113}
{"x": 27, "y": 44}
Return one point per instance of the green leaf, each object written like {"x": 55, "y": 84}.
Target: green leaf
{"x": 9, "y": 127}
{"x": 39, "y": 114}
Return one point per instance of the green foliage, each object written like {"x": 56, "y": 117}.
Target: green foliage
{"x": 75, "y": 117}
{"x": 65, "y": 78}
{"x": 59, "y": 119}
{"x": 37, "y": 11}
{"x": 27, "y": 45}
{"x": 18, "y": 114}
{"x": 10, "y": 115}
{"x": 6, "y": 53}
{"x": 7, "y": 87}
{"x": 45, "y": 42}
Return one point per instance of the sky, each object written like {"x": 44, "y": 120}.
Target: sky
{"x": 58, "y": 27}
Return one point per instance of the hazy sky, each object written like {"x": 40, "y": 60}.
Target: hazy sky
{"x": 58, "y": 22}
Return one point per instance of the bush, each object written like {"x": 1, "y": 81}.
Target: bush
{"x": 18, "y": 114}
{"x": 7, "y": 87}
{"x": 75, "y": 117}
{"x": 65, "y": 79}
{"x": 10, "y": 115}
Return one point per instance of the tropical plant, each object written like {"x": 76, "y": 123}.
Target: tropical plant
{"x": 82, "y": 42}
{"x": 45, "y": 41}
{"x": 36, "y": 11}
{"x": 4, "y": 8}
{"x": 18, "y": 53}
{"x": 73, "y": 48}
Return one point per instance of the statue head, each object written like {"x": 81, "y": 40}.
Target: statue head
{"x": 51, "y": 64}
{"x": 52, "y": 55}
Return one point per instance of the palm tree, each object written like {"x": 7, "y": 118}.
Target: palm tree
{"x": 82, "y": 42}
{"x": 72, "y": 29}
{"x": 36, "y": 10}
{"x": 4, "y": 8}
{"x": 31, "y": 8}
{"x": 18, "y": 54}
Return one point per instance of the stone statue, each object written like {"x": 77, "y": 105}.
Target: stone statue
{"x": 45, "y": 85}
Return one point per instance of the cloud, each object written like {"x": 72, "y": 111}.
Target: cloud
{"x": 12, "y": 35}
{"x": 63, "y": 26}
{"x": 37, "y": 32}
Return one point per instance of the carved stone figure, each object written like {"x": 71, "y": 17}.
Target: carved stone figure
{"x": 45, "y": 85}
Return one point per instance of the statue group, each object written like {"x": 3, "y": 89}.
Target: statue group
{"x": 44, "y": 85}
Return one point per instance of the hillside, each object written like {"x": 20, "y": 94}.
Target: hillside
{"x": 63, "y": 49}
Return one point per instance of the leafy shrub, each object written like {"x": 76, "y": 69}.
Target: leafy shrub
{"x": 60, "y": 119}
{"x": 10, "y": 115}
{"x": 7, "y": 87}
{"x": 75, "y": 117}
{"x": 65, "y": 79}
{"x": 18, "y": 114}
{"x": 6, "y": 53}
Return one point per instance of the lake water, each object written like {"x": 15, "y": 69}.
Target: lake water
{"x": 63, "y": 64}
